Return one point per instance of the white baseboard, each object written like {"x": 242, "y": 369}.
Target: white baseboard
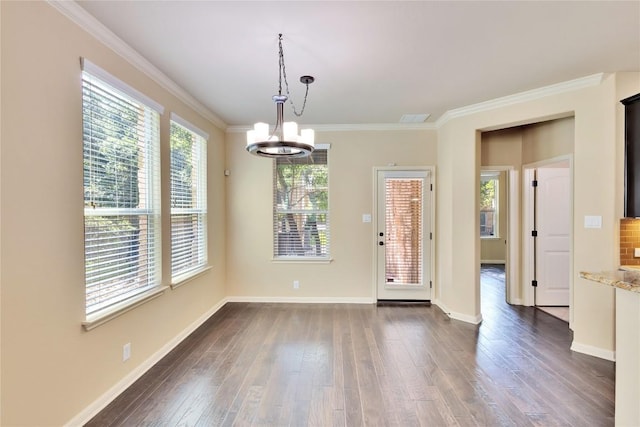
{"x": 99, "y": 404}
{"x": 475, "y": 320}
{"x": 593, "y": 351}
{"x": 304, "y": 300}
{"x": 516, "y": 301}
{"x": 493, "y": 261}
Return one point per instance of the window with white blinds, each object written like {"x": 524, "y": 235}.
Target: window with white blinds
{"x": 188, "y": 199}
{"x": 121, "y": 143}
{"x": 301, "y": 207}
{"x": 403, "y": 230}
{"x": 489, "y": 192}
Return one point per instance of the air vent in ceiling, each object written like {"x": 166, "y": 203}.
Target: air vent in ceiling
{"x": 414, "y": 118}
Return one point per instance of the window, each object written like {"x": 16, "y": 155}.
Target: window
{"x": 489, "y": 193}
{"x": 121, "y": 145}
{"x": 301, "y": 207}
{"x": 188, "y": 199}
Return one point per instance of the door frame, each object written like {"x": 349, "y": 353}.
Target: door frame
{"x": 527, "y": 225}
{"x": 432, "y": 215}
{"x": 512, "y": 251}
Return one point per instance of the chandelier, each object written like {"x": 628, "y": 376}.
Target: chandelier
{"x": 284, "y": 140}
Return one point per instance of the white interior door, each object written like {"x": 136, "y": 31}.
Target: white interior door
{"x": 553, "y": 224}
{"x": 403, "y": 238}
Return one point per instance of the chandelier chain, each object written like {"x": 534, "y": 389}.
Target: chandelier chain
{"x": 283, "y": 74}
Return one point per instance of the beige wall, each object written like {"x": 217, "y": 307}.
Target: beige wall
{"x": 352, "y": 157}
{"x": 500, "y": 148}
{"x": 51, "y": 368}
{"x": 596, "y": 148}
{"x": 547, "y": 140}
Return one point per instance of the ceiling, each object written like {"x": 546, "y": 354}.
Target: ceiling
{"x": 373, "y": 60}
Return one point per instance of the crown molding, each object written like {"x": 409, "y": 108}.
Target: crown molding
{"x": 87, "y": 22}
{"x": 352, "y": 127}
{"x": 530, "y": 95}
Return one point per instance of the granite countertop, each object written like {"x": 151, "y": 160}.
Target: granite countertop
{"x": 623, "y": 279}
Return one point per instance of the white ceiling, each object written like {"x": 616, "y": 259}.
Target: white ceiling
{"x": 373, "y": 61}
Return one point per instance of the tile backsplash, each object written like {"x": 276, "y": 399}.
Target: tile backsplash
{"x": 629, "y": 240}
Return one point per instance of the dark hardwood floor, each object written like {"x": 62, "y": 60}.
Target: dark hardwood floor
{"x": 351, "y": 365}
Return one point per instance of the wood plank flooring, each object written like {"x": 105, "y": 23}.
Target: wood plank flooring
{"x": 352, "y": 365}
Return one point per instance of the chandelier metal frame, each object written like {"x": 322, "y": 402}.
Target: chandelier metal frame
{"x": 284, "y": 140}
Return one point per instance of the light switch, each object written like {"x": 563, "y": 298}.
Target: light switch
{"x": 636, "y": 252}
{"x": 593, "y": 221}
{"x": 366, "y": 217}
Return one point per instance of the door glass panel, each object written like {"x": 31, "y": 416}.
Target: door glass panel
{"x": 403, "y": 231}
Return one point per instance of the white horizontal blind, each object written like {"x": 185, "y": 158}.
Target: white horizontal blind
{"x": 301, "y": 207}
{"x": 403, "y": 230}
{"x": 121, "y": 143}
{"x": 188, "y": 201}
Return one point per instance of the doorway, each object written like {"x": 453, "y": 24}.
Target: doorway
{"x": 548, "y": 233}
{"x": 499, "y": 242}
{"x": 404, "y": 237}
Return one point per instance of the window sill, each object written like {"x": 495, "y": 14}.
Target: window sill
{"x": 103, "y": 316}
{"x": 490, "y": 237}
{"x": 301, "y": 260}
{"x": 186, "y": 278}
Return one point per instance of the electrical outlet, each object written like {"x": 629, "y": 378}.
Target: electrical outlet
{"x": 126, "y": 352}
{"x": 296, "y": 284}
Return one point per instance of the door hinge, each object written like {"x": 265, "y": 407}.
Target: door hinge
{"x": 430, "y": 236}
{"x": 430, "y": 284}
{"x": 534, "y": 183}
{"x": 534, "y": 233}
{"x": 534, "y": 283}
{"x": 431, "y": 187}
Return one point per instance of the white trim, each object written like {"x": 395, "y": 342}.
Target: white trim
{"x": 101, "y": 317}
{"x": 412, "y": 171}
{"x": 300, "y": 260}
{"x": 351, "y": 127}
{"x": 91, "y": 25}
{"x": 527, "y": 240}
{"x": 530, "y": 95}
{"x": 189, "y": 126}
{"x": 94, "y": 27}
{"x": 94, "y": 408}
{"x": 593, "y": 351}
{"x": 474, "y": 320}
{"x": 118, "y": 84}
{"x": 303, "y": 300}
{"x": 513, "y": 237}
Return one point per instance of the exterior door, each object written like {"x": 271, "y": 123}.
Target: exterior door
{"x": 553, "y": 224}
{"x": 403, "y": 238}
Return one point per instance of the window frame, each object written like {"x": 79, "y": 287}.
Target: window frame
{"x": 113, "y": 94}
{"x": 484, "y": 177}
{"x": 325, "y": 257}
{"x": 200, "y": 211}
